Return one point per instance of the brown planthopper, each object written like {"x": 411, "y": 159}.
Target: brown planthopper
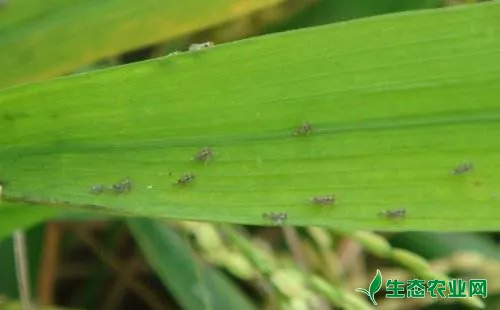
{"x": 97, "y": 189}
{"x": 204, "y": 155}
{"x": 123, "y": 186}
{"x": 200, "y": 46}
{"x": 277, "y": 218}
{"x": 323, "y": 200}
{"x": 303, "y": 130}
{"x": 185, "y": 179}
{"x": 393, "y": 214}
{"x": 463, "y": 168}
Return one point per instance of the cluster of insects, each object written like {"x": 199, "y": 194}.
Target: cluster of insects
{"x": 278, "y": 218}
{"x": 120, "y": 187}
{"x": 206, "y": 154}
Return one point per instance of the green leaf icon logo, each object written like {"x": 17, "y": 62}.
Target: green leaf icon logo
{"x": 374, "y": 287}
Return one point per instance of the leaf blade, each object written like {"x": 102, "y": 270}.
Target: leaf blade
{"x": 92, "y": 30}
{"x": 375, "y": 145}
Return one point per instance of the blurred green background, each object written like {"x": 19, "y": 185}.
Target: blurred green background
{"x": 88, "y": 261}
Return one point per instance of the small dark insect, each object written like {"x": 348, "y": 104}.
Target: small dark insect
{"x": 122, "y": 187}
{"x": 304, "y": 130}
{"x": 200, "y": 46}
{"x": 204, "y": 155}
{"x": 97, "y": 189}
{"x": 323, "y": 200}
{"x": 463, "y": 168}
{"x": 185, "y": 179}
{"x": 277, "y": 218}
{"x": 393, "y": 214}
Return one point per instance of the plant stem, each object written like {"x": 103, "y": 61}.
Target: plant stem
{"x": 22, "y": 269}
